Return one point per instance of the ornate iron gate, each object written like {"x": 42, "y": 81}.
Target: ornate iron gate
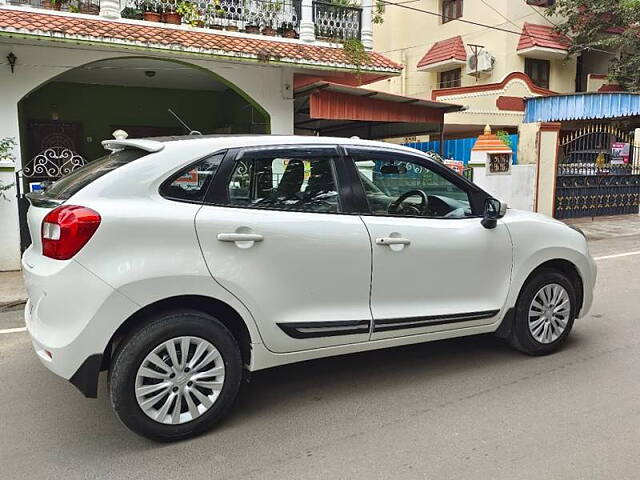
{"x": 598, "y": 173}
{"x": 53, "y": 150}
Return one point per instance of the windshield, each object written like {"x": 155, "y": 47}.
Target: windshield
{"x": 72, "y": 183}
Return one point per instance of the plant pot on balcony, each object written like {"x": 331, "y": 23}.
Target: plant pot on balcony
{"x": 252, "y": 29}
{"x": 89, "y": 8}
{"x": 172, "y": 18}
{"x": 289, "y": 33}
{"x": 269, "y": 32}
{"x": 231, "y": 28}
{"x": 51, "y": 4}
{"x": 151, "y": 17}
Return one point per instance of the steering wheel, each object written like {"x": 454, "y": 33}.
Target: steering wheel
{"x": 397, "y": 206}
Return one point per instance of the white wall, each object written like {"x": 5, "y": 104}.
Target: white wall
{"x": 517, "y": 189}
{"x": 268, "y": 85}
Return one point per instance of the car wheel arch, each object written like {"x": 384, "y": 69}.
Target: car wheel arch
{"x": 565, "y": 267}
{"x": 221, "y": 310}
{"x": 560, "y": 265}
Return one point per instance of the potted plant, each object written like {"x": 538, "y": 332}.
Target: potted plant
{"x": 271, "y": 9}
{"x": 88, "y": 8}
{"x": 251, "y": 28}
{"x": 288, "y": 30}
{"x": 150, "y": 12}
{"x": 215, "y": 13}
{"x": 53, "y": 4}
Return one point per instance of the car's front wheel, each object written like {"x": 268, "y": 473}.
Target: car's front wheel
{"x": 176, "y": 376}
{"x": 545, "y": 312}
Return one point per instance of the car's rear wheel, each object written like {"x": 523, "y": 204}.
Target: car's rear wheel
{"x": 545, "y": 312}
{"x": 176, "y": 376}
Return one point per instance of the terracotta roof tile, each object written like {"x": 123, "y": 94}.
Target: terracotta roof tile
{"x": 452, "y": 48}
{"x": 541, "y": 36}
{"x": 154, "y": 36}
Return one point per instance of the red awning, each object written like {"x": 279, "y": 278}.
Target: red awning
{"x": 332, "y": 109}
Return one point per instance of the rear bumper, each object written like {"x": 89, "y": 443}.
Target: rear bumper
{"x": 71, "y": 316}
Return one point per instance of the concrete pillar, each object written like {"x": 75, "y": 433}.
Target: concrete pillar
{"x": 366, "y": 31}
{"x": 109, "y": 8}
{"x": 548, "y": 137}
{"x": 307, "y": 27}
{"x": 9, "y": 227}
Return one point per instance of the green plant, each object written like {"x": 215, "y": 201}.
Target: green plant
{"x": 606, "y": 26}
{"x": 356, "y": 53}
{"x": 131, "y": 13}
{"x": 215, "y": 8}
{"x": 189, "y": 12}
{"x": 7, "y": 144}
{"x": 504, "y": 138}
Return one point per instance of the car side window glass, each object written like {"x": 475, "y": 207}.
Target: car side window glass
{"x": 301, "y": 183}
{"x": 403, "y": 188}
{"x": 191, "y": 184}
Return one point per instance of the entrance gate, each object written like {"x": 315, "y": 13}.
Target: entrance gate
{"x": 598, "y": 173}
{"x": 53, "y": 154}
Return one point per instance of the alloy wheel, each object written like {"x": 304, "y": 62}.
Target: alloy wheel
{"x": 549, "y": 313}
{"x": 179, "y": 380}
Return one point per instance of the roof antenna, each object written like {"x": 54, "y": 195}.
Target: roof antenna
{"x": 175, "y": 115}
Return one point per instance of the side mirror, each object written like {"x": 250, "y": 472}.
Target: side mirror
{"x": 493, "y": 210}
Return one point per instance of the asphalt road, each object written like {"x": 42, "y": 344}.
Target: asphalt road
{"x": 461, "y": 409}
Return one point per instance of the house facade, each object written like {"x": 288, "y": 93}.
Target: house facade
{"x": 73, "y": 72}
{"x": 509, "y": 52}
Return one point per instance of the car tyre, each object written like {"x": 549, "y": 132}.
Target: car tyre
{"x": 528, "y": 331}
{"x": 171, "y": 328}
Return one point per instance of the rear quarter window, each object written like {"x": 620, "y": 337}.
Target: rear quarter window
{"x": 71, "y": 184}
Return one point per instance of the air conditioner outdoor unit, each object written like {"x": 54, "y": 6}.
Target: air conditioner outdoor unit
{"x": 480, "y": 64}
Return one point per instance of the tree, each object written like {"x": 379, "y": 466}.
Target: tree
{"x": 605, "y": 25}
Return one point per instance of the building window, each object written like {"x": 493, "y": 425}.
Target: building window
{"x": 538, "y": 71}
{"x": 541, "y": 3}
{"x": 451, "y": 9}
{"x": 450, "y": 78}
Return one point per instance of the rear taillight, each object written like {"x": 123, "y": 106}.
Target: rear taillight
{"x": 66, "y": 230}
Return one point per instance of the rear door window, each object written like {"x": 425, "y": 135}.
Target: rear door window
{"x": 71, "y": 184}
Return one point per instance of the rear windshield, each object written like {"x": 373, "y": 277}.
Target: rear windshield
{"x": 77, "y": 180}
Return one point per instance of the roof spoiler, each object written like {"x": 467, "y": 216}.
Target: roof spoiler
{"x": 150, "y": 146}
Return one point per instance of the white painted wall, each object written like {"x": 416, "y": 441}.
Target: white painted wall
{"x": 268, "y": 85}
{"x": 516, "y": 189}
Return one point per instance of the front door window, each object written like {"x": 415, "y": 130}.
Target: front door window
{"x": 404, "y": 188}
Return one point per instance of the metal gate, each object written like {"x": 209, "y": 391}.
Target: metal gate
{"x": 598, "y": 173}
{"x": 54, "y": 147}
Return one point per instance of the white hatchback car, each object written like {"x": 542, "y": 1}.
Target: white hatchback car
{"x": 177, "y": 264}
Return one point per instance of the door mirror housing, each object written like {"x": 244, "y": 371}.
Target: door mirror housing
{"x": 493, "y": 210}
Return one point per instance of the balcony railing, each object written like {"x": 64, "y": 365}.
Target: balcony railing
{"x": 89, "y": 7}
{"x": 269, "y": 17}
{"x": 335, "y": 22}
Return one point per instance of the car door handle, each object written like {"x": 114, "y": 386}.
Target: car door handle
{"x": 240, "y": 237}
{"x": 393, "y": 241}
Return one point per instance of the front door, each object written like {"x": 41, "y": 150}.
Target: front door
{"x": 435, "y": 267}
{"x": 276, "y": 237}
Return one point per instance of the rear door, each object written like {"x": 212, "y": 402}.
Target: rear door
{"x": 277, "y": 234}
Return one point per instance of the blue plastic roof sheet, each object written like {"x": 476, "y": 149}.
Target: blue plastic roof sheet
{"x": 586, "y": 106}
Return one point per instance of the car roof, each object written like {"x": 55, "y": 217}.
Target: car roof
{"x": 154, "y": 144}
